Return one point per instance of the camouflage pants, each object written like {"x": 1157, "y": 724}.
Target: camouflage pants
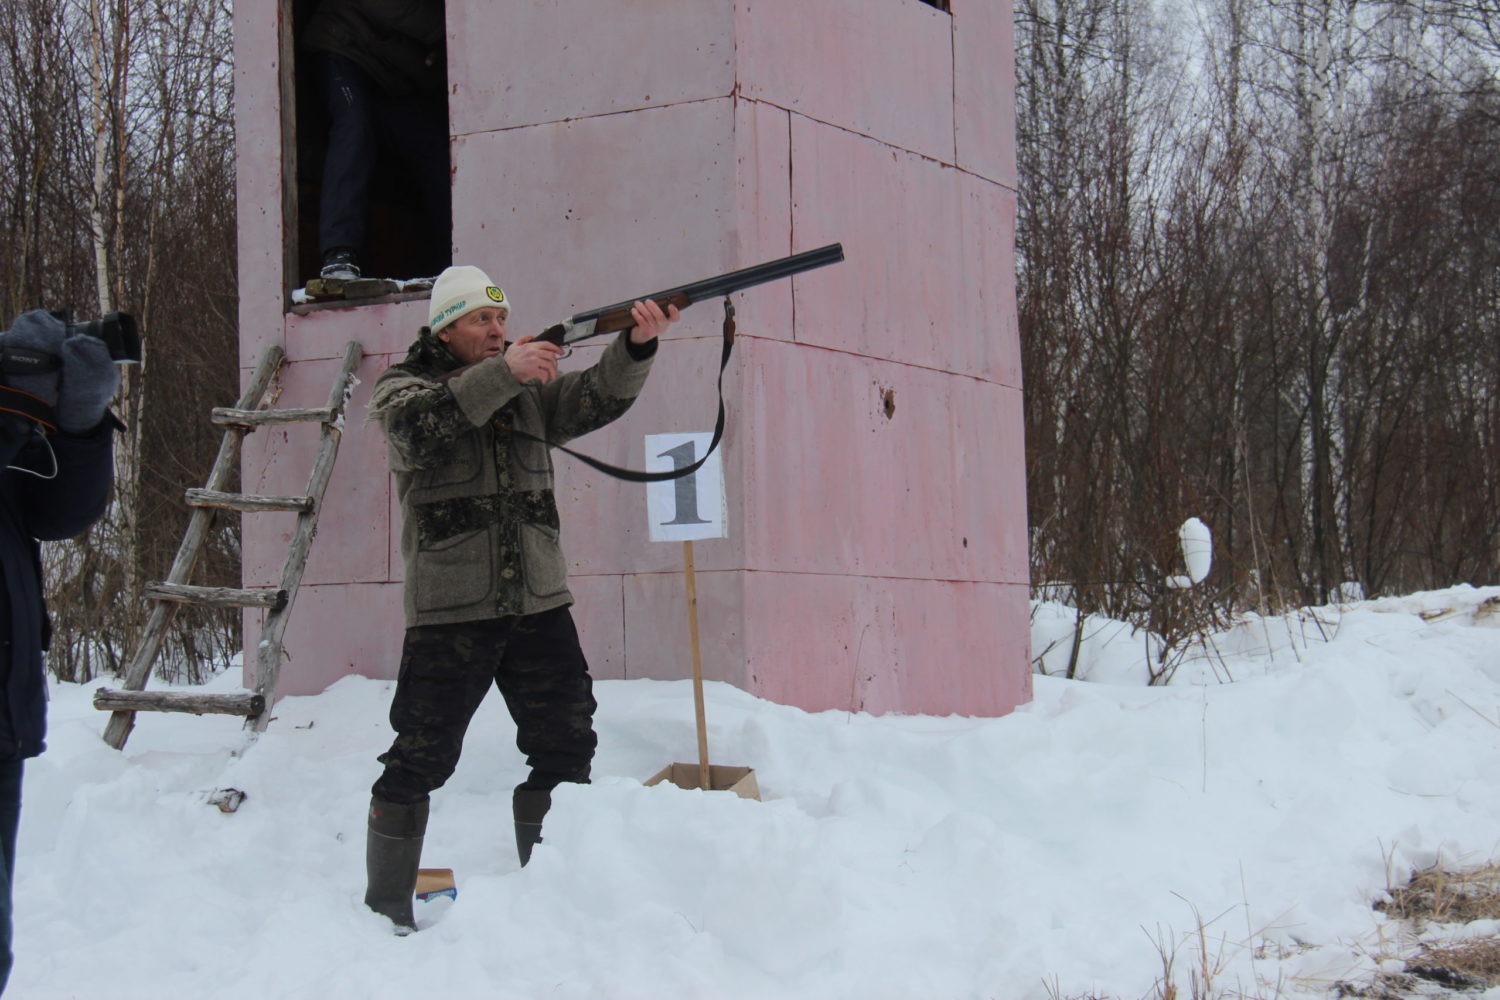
{"x": 446, "y": 670}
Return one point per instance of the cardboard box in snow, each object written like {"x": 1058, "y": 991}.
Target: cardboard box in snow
{"x": 435, "y": 882}
{"x": 739, "y": 780}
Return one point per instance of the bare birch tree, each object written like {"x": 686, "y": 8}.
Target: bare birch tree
{"x": 1278, "y": 317}
{"x": 120, "y": 196}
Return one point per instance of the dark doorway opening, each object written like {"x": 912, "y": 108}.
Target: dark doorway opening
{"x": 407, "y": 215}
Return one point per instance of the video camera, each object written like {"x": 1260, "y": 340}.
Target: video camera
{"x": 118, "y": 332}
{"x": 116, "y": 329}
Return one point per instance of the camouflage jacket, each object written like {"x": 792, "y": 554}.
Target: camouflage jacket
{"x": 479, "y": 532}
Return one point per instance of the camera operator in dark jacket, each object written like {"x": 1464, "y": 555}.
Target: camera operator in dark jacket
{"x": 56, "y": 467}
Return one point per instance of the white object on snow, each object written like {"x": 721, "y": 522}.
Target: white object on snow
{"x": 1197, "y": 552}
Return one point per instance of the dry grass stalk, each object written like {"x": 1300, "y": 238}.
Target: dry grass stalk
{"x": 1463, "y": 964}
{"x": 1440, "y": 896}
{"x": 1447, "y": 897}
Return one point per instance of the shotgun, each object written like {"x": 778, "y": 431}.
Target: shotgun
{"x": 617, "y": 317}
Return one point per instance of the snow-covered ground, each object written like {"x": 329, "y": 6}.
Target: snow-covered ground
{"x": 1260, "y": 803}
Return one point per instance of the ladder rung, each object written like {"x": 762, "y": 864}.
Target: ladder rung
{"x": 218, "y": 597}
{"x": 228, "y": 416}
{"x": 246, "y": 501}
{"x": 248, "y": 705}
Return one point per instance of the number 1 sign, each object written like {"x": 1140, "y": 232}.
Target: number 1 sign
{"x": 680, "y": 510}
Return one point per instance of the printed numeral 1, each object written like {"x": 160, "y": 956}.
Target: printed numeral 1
{"x": 686, "y": 489}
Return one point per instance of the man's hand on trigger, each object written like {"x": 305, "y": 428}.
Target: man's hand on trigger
{"x": 650, "y": 321}
{"x": 533, "y": 360}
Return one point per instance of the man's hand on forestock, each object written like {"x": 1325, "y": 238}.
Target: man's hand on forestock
{"x": 533, "y": 360}
{"x": 650, "y": 321}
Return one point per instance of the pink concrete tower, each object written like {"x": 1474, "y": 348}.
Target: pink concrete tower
{"x": 876, "y": 557}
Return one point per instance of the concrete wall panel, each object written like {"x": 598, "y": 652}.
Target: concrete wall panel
{"x": 987, "y": 263}
{"x": 598, "y": 611}
{"x": 549, "y": 60}
{"x": 883, "y": 70}
{"x": 984, "y": 90}
{"x": 258, "y": 183}
{"x": 762, "y": 143}
{"x": 900, "y": 294}
{"x": 380, "y": 329}
{"x": 658, "y": 643}
{"x": 932, "y": 647}
{"x": 864, "y": 467}
{"x": 604, "y": 209}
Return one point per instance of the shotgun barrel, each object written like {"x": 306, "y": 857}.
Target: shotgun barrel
{"x": 617, "y": 317}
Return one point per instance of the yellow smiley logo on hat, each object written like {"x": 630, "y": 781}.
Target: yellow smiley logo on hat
{"x": 495, "y": 294}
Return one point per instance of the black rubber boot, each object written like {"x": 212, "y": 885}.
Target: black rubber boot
{"x": 529, "y": 806}
{"x": 392, "y": 853}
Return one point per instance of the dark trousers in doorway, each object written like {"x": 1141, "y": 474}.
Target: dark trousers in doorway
{"x": 365, "y": 125}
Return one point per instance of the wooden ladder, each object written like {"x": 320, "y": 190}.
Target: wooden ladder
{"x": 252, "y": 411}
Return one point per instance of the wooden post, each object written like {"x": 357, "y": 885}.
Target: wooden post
{"x": 704, "y": 781}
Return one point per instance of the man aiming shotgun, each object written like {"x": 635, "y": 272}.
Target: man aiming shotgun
{"x": 469, "y": 418}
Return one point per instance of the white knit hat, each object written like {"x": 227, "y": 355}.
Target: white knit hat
{"x": 459, "y": 290}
